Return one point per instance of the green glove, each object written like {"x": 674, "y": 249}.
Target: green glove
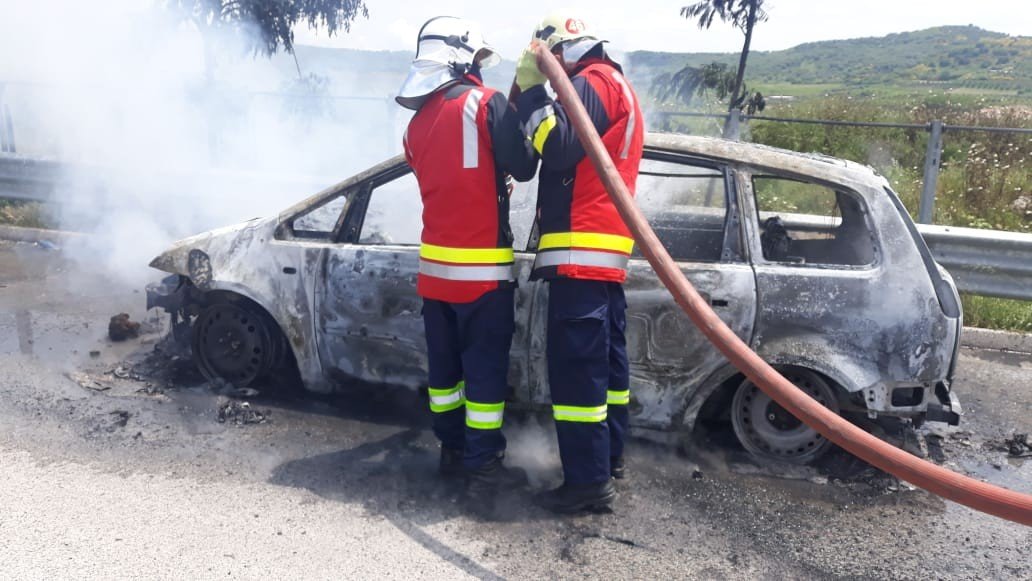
{"x": 527, "y": 72}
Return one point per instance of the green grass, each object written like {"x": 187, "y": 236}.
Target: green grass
{"x": 1002, "y": 314}
{"x": 798, "y": 90}
{"x": 25, "y": 214}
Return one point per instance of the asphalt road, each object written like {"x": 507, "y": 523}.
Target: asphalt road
{"x": 104, "y": 476}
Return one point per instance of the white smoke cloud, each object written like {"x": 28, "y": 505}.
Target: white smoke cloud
{"x": 118, "y": 90}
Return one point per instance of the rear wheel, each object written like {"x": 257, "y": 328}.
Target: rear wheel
{"x": 235, "y": 343}
{"x": 768, "y": 431}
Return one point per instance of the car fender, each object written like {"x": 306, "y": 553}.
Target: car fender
{"x": 279, "y": 276}
{"x": 840, "y": 376}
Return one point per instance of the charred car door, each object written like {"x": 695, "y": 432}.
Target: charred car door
{"x": 371, "y": 326}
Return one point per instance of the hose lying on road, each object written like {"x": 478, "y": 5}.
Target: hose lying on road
{"x": 981, "y": 496}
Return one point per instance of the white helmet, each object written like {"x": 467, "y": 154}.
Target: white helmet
{"x": 447, "y": 48}
{"x": 569, "y": 34}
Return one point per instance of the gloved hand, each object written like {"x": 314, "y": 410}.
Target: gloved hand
{"x": 527, "y": 72}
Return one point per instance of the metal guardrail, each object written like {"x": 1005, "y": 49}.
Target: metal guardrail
{"x": 41, "y": 180}
{"x": 933, "y": 153}
{"x": 27, "y": 179}
{"x": 983, "y": 262}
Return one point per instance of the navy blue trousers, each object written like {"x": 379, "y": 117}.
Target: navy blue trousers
{"x": 588, "y": 373}
{"x": 468, "y": 351}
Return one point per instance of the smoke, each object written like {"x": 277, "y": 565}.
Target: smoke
{"x": 532, "y": 446}
{"x": 162, "y": 141}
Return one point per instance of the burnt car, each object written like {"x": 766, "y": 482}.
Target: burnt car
{"x": 812, "y": 261}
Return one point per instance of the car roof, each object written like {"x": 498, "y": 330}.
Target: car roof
{"x": 763, "y": 156}
{"x": 814, "y": 165}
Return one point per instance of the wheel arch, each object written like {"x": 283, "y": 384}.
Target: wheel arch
{"x": 727, "y": 378}
{"x": 297, "y": 351}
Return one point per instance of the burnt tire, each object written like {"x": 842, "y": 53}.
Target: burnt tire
{"x": 769, "y": 432}
{"x": 235, "y": 343}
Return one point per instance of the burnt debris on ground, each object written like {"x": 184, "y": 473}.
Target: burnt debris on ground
{"x": 1017, "y": 446}
{"x": 240, "y": 413}
{"x": 121, "y": 328}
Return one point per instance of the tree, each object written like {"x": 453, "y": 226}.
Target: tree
{"x": 743, "y": 15}
{"x": 691, "y": 82}
{"x": 273, "y": 20}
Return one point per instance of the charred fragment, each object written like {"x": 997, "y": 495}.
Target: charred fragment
{"x": 120, "y": 328}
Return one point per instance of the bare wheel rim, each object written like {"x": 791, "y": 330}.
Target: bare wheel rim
{"x": 233, "y": 344}
{"x": 768, "y": 431}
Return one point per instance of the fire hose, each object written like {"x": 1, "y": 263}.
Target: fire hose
{"x": 950, "y": 485}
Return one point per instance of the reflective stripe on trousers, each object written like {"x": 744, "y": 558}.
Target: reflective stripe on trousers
{"x": 484, "y": 416}
{"x": 618, "y": 397}
{"x": 569, "y": 413}
{"x": 574, "y": 413}
{"x": 446, "y": 399}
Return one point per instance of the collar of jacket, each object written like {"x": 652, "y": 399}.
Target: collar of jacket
{"x": 473, "y": 79}
{"x": 584, "y": 63}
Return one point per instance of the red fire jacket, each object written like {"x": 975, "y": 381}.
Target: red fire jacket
{"x": 582, "y": 235}
{"x": 460, "y": 144}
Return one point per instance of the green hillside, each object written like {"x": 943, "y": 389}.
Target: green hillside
{"x": 958, "y": 57}
{"x": 952, "y": 56}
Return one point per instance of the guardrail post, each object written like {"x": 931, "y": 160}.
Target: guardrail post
{"x": 10, "y": 130}
{"x": 731, "y": 128}
{"x": 933, "y": 158}
{"x": 6, "y": 127}
{"x": 391, "y": 117}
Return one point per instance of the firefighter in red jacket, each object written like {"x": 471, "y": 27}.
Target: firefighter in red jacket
{"x": 462, "y": 141}
{"x": 583, "y": 252}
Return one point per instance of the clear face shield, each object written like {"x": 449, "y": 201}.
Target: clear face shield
{"x": 573, "y": 51}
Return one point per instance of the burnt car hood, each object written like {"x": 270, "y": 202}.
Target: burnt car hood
{"x": 184, "y": 256}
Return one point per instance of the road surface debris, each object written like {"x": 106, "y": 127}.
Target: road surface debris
{"x": 121, "y": 328}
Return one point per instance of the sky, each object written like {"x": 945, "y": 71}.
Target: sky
{"x": 657, "y": 25}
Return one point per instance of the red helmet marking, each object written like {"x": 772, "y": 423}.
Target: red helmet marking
{"x": 574, "y": 26}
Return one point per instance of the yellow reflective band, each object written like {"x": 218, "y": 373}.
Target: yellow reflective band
{"x": 613, "y": 242}
{"x": 572, "y": 413}
{"x": 448, "y": 398}
{"x": 618, "y": 397}
{"x": 484, "y": 416}
{"x": 542, "y": 132}
{"x": 466, "y": 255}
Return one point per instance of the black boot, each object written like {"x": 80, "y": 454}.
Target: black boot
{"x": 570, "y": 498}
{"x": 450, "y": 465}
{"x": 482, "y": 487}
{"x": 616, "y": 468}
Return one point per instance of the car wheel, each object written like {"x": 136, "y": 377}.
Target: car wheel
{"x": 234, "y": 343}
{"x": 768, "y": 431}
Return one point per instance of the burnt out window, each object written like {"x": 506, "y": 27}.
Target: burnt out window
{"x": 806, "y": 223}
{"x": 320, "y": 221}
{"x": 686, "y": 205}
{"x": 522, "y": 210}
{"x": 395, "y": 213}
